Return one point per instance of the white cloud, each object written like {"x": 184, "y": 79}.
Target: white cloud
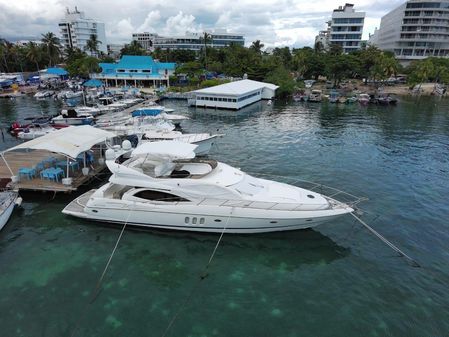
{"x": 181, "y": 23}
{"x": 274, "y": 22}
{"x": 120, "y": 31}
{"x": 151, "y": 21}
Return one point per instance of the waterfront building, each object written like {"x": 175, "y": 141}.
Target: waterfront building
{"x": 233, "y": 95}
{"x": 114, "y": 49}
{"x": 189, "y": 41}
{"x": 146, "y": 40}
{"x": 323, "y": 37}
{"x": 138, "y": 71}
{"x": 415, "y": 30}
{"x": 76, "y": 30}
{"x": 346, "y": 28}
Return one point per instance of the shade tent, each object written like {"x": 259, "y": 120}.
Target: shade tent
{"x": 70, "y": 141}
{"x": 93, "y": 83}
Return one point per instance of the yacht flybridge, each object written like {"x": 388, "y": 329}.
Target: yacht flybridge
{"x": 163, "y": 185}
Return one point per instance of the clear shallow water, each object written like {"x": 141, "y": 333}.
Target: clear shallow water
{"x": 336, "y": 280}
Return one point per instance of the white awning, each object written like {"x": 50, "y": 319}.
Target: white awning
{"x": 70, "y": 141}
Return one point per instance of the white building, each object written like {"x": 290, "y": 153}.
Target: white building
{"x": 415, "y": 30}
{"x": 233, "y": 95}
{"x": 346, "y": 28}
{"x": 189, "y": 41}
{"x": 145, "y": 39}
{"x": 76, "y": 30}
{"x": 323, "y": 37}
{"x": 114, "y": 49}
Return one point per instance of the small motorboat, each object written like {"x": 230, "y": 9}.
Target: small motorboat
{"x": 316, "y": 96}
{"x": 35, "y": 131}
{"x": 72, "y": 117}
{"x": 44, "y": 94}
{"x": 8, "y": 200}
{"x": 334, "y": 96}
{"x": 364, "y": 99}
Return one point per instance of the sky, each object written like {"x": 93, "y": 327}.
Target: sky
{"x": 276, "y": 23}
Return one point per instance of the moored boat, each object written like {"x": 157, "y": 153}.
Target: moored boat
{"x": 8, "y": 200}
{"x": 164, "y": 186}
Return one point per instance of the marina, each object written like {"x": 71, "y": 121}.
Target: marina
{"x": 391, "y": 155}
{"x": 250, "y": 180}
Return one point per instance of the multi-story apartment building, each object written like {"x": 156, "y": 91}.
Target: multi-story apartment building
{"x": 114, "y": 49}
{"x": 189, "y": 41}
{"x": 323, "y": 37}
{"x": 146, "y": 40}
{"x": 415, "y": 30}
{"x": 346, "y": 28}
{"x": 76, "y": 30}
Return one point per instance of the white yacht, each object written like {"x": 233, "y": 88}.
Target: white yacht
{"x": 164, "y": 186}
{"x": 8, "y": 199}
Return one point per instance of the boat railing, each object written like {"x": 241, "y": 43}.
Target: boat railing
{"x": 265, "y": 205}
{"x": 280, "y": 206}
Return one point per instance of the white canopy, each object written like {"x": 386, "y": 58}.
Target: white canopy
{"x": 70, "y": 141}
{"x": 166, "y": 150}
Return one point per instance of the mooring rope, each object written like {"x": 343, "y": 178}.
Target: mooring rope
{"x": 203, "y": 275}
{"x": 97, "y": 289}
{"x": 388, "y": 243}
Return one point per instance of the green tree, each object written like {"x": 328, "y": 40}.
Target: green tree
{"x": 52, "y": 46}
{"x": 83, "y": 66}
{"x": 33, "y": 53}
{"x": 205, "y": 39}
{"x": 281, "y": 77}
{"x": 92, "y": 45}
{"x": 257, "y": 46}
{"x": 133, "y": 48}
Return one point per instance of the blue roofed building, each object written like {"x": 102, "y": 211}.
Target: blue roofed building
{"x": 139, "y": 71}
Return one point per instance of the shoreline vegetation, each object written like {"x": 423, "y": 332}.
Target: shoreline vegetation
{"x": 368, "y": 69}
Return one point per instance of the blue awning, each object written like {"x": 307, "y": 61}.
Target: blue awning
{"x": 93, "y": 83}
{"x": 57, "y": 71}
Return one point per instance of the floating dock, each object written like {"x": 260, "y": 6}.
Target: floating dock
{"x": 60, "y": 161}
{"x": 32, "y": 158}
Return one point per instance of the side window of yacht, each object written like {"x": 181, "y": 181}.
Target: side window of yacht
{"x": 158, "y": 196}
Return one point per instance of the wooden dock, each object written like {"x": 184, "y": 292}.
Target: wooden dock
{"x": 30, "y": 158}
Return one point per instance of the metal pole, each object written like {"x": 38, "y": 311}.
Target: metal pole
{"x": 67, "y": 167}
{"x": 7, "y": 165}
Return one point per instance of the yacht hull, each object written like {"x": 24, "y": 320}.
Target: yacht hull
{"x": 198, "y": 218}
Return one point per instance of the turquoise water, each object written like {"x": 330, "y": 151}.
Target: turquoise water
{"x": 336, "y": 280}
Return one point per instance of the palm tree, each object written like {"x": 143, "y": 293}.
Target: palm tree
{"x": 92, "y": 45}
{"x": 425, "y": 70}
{"x": 390, "y": 65}
{"x": 51, "y": 43}
{"x": 206, "y": 38}
{"x": 257, "y": 46}
{"x": 4, "y": 52}
{"x": 318, "y": 47}
{"x": 33, "y": 53}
